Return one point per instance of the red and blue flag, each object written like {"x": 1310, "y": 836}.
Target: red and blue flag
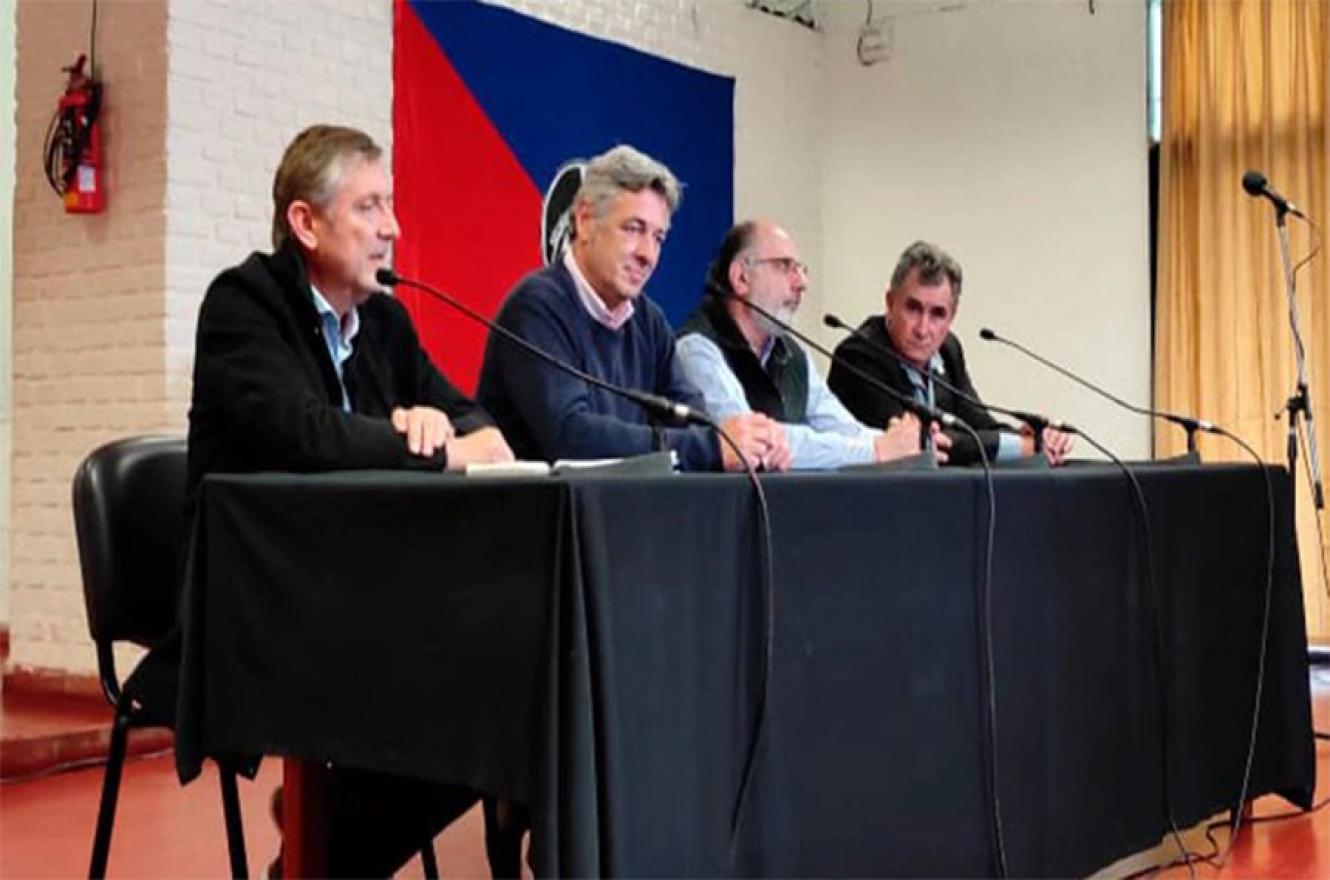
{"x": 488, "y": 106}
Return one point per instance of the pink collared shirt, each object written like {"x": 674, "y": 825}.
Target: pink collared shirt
{"x": 594, "y": 305}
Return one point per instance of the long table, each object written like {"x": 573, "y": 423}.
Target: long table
{"x": 592, "y": 646}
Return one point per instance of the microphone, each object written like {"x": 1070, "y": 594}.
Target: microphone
{"x": 669, "y": 411}
{"x": 1189, "y": 424}
{"x": 923, "y": 411}
{"x": 1255, "y": 184}
{"x": 1036, "y": 421}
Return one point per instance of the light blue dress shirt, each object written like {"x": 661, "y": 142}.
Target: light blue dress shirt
{"x": 832, "y": 437}
{"x": 337, "y": 336}
{"x": 1009, "y": 445}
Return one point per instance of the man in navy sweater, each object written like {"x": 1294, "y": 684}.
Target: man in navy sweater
{"x": 587, "y": 309}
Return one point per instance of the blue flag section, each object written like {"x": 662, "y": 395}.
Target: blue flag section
{"x": 490, "y": 104}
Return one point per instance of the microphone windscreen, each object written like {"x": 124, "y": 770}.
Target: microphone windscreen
{"x": 1254, "y": 183}
{"x": 386, "y": 277}
{"x": 832, "y": 321}
{"x": 986, "y": 334}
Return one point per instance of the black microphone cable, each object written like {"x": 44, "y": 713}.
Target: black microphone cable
{"x": 1317, "y": 515}
{"x": 671, "y": 411}
{"x": 768, "y": 645}
{"x": 923, "y": 411}
{"x": 1152, "y": 588}
{"x": 1241, "y": 801}
{"x": 1142, "y": 509}
{"x": 1036, "y": 421}
{"x": 988, "y": 679}
{"x": 1303, "y": 441}
{"x": 1192, "y": 425}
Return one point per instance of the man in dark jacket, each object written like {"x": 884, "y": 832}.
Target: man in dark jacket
{"x": 922, "y": 299}
{"x": 301, "y": 364}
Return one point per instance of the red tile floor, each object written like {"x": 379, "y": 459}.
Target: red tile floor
{"x": 163, "y": 830}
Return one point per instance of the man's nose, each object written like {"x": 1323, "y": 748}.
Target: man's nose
{"x": 647, "y": 250}
{"x": 390, "y": 228}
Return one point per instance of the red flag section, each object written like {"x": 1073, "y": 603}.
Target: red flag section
{"x": 446, "y": 154}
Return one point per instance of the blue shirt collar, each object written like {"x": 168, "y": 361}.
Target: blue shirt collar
{"x": 337, "y": 336}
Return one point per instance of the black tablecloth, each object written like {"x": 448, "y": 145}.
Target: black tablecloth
{"x": 592, "y": 646}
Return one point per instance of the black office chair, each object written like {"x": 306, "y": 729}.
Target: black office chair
{"x": 129, "y": 499}
{"x": 128, "y": 515}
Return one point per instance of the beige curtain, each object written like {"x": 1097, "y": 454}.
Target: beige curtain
{"x": 1246, "y": 85}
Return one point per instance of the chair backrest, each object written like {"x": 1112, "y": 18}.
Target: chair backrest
{"x": 129, "y": 502}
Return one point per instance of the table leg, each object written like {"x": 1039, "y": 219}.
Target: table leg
{"x": 304, "y": 823}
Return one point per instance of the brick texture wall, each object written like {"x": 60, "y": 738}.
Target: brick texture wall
{"x": 87, "y": 305}
{"x": 245, "y": 77}
{"x": 8, "y": 14}
{"x": 202, "y": 96}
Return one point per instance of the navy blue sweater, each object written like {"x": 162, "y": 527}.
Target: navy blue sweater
{"x": 547, "y": 414}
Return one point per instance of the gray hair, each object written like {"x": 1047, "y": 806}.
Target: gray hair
{"x": 311, "y": 168}
{"x": 625, "y": 169}
{"x": 933, "y": 264}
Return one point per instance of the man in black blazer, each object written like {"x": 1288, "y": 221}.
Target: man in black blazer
{"x": 922, "y": 299}
{"x": 302, "y": 364}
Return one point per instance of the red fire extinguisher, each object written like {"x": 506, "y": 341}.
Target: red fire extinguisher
{"x": 74, "y": 161}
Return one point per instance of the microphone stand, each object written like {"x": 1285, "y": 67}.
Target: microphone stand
{"x": 1299, "y": 405}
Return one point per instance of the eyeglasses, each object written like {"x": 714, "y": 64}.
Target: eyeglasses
{"x": 788, "y": 265}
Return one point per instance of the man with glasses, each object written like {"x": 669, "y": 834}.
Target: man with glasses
{"x": 922, "y": 299}
{"x": 743, "y": 362}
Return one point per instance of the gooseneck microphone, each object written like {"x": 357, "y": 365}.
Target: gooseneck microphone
{"x": 674, "y": 413}
{"x": 923, "y": 411}
{"x": 1187, "y": 423}
{"x": 1256, "y": 185}
{"x": 1036, "y": 421}
{"x": 669, "y": 411}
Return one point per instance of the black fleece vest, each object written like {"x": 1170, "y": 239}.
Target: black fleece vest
{"x": 778, "y": 390}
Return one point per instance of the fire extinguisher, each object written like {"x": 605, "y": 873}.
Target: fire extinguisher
{"x": 73, "y": 151}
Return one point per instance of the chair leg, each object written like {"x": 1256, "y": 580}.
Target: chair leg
{"x": 115, "y": 764}
{"x": 505, "y": 824}
{"x": 235, "y": 831}
{"x": 428, "y": 866}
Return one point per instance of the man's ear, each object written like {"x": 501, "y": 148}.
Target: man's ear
{"x": 738, "y": 276}
{"x": 300, "y": 217}
{"x": 582, "y": 219}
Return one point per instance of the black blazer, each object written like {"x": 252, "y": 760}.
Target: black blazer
{"x": 874, "y": 407}
{"x": 266, "y": 395}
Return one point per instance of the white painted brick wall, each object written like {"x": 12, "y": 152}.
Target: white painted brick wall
{"x": 203, "y": 96}
{"x": 8, "y": 16}
{"x": 245, "y": 77}
{"x": 87, "y": 311}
